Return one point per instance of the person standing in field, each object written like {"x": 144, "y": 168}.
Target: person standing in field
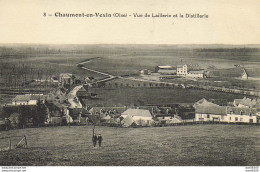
{"x": 99, "y": 138}
{"x": 94, "y": 140}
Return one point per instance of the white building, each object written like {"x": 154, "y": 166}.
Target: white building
{"x": 211, "y": 113}
{"x": 183, "y": 70}
{"x": 196, "y": 74}
{"x": 226, "y": 114}
{"x": 139, "y": 116}
{"x": 241, "y": 115}
{"x": 28, "y": 99}
{"x": 145, "y": 72}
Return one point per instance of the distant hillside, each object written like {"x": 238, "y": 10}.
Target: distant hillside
{"x": 215, "y": 51}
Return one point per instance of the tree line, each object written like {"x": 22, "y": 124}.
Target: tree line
{"x": 24, "y": 115}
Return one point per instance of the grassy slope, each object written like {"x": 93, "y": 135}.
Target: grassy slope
{"x": 127, "y": 96}
{"x": 182, "y": 145}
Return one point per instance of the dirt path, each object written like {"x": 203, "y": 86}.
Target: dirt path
{"x": 73, "y": 99}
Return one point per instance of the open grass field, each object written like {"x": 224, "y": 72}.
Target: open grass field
{"x": 197, "y": 145}
{"x": 132, "y": 61}
{"x": 122, "y": 59}
{"x": 128, "y": 96}
{"x": 53, "y": 64}
{"x": 118, "y": 59}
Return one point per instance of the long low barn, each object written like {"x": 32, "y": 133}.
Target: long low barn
{"x": 226, "y": 114}
{"x": 140, "y": 117}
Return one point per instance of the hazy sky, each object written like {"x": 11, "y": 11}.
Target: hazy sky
{"x": 228, "y": 22}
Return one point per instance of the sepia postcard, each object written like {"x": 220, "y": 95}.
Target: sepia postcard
{"x": 169, "y": 83}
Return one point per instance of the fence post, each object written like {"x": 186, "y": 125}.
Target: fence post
{"x": 10, "y": 143}
{"x": 25, "y": 141}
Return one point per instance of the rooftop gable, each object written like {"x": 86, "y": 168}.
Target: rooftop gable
{"x": 25, "y": 97}
{"x": 238, "y": 110}
{"x": 216, "y": 110}
{"x": 204, "y": 102}
{"x": 98, "y": 109}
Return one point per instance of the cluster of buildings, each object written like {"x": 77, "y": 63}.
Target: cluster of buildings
{"x": 180, "y": 70}
{"x": 187, "y": 71}
{"x": 183, "y": 70}
{"x": 241, "y": 111}
{"x": 67, "y": 79}
{"x": 66, "y": 105}
{"x": 244, "y": 110}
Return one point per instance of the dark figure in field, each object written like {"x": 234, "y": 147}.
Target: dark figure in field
{"x": 99, "y": 140}
{"x": 94, "y": 140}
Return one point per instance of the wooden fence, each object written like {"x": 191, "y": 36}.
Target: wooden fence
{"x": 13, "y": 142}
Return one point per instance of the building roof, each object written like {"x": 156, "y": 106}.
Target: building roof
{"x": 27, "y": 97}
{"x": 66, "y": 75}
{"x": 127, "y": 121}
{"x": 197, "y": 71}
{"x": 230, "y": 72}
{"x": 38, "y": 97}
{"x": 165, "y": 67}
{"x": 167, "y": 70}
{"x": 117, "y": 109}
{"x": 217, "y": 110}
{"x": 22, "y": 98}
{"x": 204, "y": 102}
{"x": 238, "y": 110}
{"x": 237, "y": 101}
{"x": 247, "y": 102}
{"x": 137, "y": 112}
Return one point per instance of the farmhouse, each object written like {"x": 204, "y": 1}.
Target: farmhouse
{"x": 207, "y": 111}
{"x": 28, "y": 99}
{"x": 66, "y": 79}
{"x": 145, "y": 72}
{"x": 211, "y": 113}
{"x": 241, "y": 115}
{"x": 140, "y": 116}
